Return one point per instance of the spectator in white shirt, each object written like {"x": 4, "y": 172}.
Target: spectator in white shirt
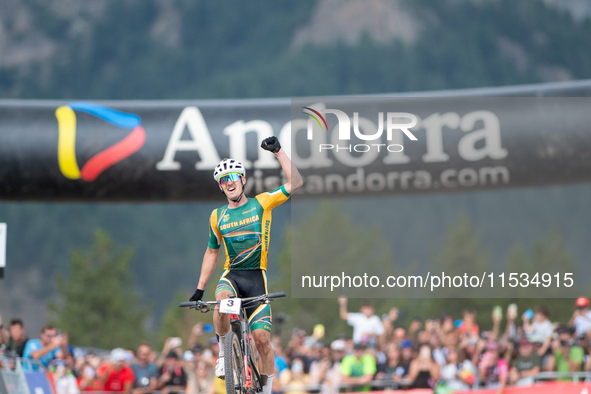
{"x": 581, "y": 319}
{"x": 540, "y": 328}
{"x": 364, "y": 323}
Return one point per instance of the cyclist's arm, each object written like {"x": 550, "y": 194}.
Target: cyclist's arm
{"x": 294, "y": 179}
{"x": 207, "y": 267}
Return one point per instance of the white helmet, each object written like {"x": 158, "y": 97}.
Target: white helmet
{"x": 227, "y": 166}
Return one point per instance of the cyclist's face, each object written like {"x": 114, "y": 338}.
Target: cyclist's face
{"x": 232, "y": 186}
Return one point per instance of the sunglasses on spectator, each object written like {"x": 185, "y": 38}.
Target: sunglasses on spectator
{"x": 234, "y": 177}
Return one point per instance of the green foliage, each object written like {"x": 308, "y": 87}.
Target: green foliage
{"x": 100, "y": 307}
{"x": 549, "y": 254}
{"x": 245, "y": 50}
{"x": 169, "y": 239}
{"x": 326, "y": 237}
{"x": 178, "y": 322}
{"x": 460, "y": 250}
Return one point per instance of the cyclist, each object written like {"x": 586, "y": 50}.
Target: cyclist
{"x": 243, "y": 225}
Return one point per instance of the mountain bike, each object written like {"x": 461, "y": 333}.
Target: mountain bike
{"x": 242, "y": 375}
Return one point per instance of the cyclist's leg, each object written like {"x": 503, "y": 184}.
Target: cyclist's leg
{"x": 262, "y": 339}
{"x": 225, "y": 288}
{"x": 251, "y": 284}
{"x": 259, "y": 318}
{"x": 266, "y": 363}
{"x": 221, "y": 321}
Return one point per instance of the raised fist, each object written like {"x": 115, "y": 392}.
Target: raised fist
{"x": 271, "y": 144}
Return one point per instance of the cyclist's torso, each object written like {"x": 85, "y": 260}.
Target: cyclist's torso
{"x": 245, "y": 231}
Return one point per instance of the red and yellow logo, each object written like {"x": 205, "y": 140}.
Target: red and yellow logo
{"x": 66, "y": 118}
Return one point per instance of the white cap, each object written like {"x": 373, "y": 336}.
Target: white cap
{"x": 338, "y": 344}
{"x": 118, "y": 354}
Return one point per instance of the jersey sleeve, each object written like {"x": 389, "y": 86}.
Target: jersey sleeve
{"x": 270, "y": 200}
{"x": 215, "y": 237}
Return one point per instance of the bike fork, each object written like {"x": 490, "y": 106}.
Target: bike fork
{"x": 248, "y": 373}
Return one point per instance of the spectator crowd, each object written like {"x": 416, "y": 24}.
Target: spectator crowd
{"x": 439, "y": 354}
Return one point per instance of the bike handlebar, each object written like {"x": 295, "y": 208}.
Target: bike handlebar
{"x": 261, "y": 297}
{"x": 276, "y": 295}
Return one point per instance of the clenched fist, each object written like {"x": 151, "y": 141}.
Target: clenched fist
{"x": 271, "y": 144}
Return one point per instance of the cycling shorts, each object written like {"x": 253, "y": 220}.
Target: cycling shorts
{"x": 248, "y": 284}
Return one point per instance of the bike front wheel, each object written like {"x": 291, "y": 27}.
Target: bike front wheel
{"x": 234, "y": 365}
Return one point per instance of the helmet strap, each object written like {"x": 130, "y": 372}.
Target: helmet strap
{"x": 241, "y": 194}
{"x": 239, "y": 198}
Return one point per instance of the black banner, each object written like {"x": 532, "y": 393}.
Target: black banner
{"x": 166, "y": 150}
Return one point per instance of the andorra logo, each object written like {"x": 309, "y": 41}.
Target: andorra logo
{"x": 66, "y": 118}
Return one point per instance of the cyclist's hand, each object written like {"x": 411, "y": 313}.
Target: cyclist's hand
{"x": 271, "y": 144}
{"x": 197, "y": 296}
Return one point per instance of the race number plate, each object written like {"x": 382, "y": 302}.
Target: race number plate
{"x": 230, "y": 305}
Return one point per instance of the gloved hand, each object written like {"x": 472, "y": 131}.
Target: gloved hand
{"x": 271, "y": 144}
{"x": 198, "y": 295}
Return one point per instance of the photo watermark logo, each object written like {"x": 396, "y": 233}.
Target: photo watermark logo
{"x": 393, "y": 125}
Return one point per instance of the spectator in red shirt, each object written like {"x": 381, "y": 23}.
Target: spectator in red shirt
{"x": 116, "y": 375}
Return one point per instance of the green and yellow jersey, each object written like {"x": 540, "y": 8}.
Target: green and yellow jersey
{"x": 245, "y": 231}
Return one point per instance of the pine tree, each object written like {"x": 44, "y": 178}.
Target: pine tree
{"x": 99, "y": 305}
{"x": 179, "y": 322}
{"x": 325, "y": 242}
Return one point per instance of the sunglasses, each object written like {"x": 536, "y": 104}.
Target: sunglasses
{"x": 234, "y": 177}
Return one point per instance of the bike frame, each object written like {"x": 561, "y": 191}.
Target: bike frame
{"x": 241, "y": 327}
